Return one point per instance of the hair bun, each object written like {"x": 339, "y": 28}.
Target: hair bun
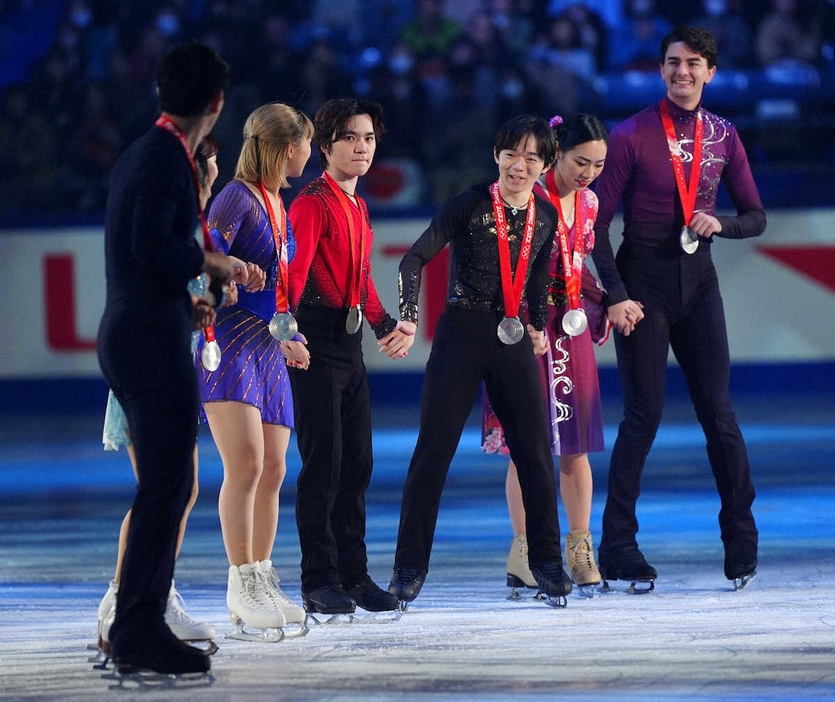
{"x": 556, "y": 121}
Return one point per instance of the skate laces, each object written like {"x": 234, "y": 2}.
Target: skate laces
{"x": 580, "y": 553}
{"x": 274, "y": 583}
{"x": 175, "y": 610}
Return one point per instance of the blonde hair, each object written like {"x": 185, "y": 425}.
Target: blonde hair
{"x": 268, "y": 132}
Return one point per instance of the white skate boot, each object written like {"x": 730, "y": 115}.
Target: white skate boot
{"x": 107, "y": 610}
{"x": 294, "y": 615}
{"x": 251, "y": 605}
{"x": 518, "y": 571}
{"x": 184, "y": 626}
{"x": 579, "y": 559}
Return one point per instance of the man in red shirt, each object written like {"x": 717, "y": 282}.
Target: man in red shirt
{"x": 331, "y": 290}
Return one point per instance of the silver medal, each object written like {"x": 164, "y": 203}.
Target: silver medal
{"x": 510, "y": 330}
{"x": 283, "y": 326}
{"x": 689, "y": 240}
{"x": 353, "y": 321}
{"x": 575, "y": 322}
{"x": 210, "y": 355}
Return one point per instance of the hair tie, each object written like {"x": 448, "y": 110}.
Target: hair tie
{"x": 556, "y": 120}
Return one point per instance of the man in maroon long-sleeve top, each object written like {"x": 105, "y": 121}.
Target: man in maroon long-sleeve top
{"x": 663, "y": 293}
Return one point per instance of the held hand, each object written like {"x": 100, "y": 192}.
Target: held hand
{"x": 705, "y": 225}
{"x": 539, "y": 340}
{"x": 231, "y": 296}
{"x": 295, "y": 353}
{"x": 625, "y": 315}
{"x": 257, "y": 277}
{"x": 219, "y": 267}
{"x": 204, "y": 314}
{"x": 398, "y": 342}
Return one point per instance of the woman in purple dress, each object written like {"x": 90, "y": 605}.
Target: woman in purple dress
{"x": 569, "y": 371}
{"x": 247, "y": 398}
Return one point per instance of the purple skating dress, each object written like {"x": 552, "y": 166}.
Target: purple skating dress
{"x": 570, "y": 384}
{"x": 252, "y": 368}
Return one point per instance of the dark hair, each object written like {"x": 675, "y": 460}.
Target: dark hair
{"x": 189, "y": 77}
{"x": 205, "y": 150}
{"x": 698, "y": 39}
{"x": 578, "y": 129}
{"x": 331, "y": 122}
{"x": 518, "y": 128}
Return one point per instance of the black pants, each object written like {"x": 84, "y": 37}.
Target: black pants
{"x": 153, "y": 377}
{"x": 466, "y": 351}
{"x": 333, "y": 424}
{"x": 683, "y": 311}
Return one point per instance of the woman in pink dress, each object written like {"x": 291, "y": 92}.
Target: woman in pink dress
{"x": 569, "y": 371}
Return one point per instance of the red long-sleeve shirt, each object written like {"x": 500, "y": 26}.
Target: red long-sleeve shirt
{"x": 321, "y": 272}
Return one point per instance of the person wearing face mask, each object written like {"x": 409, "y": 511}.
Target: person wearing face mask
{"x": 665, "y": 165}
{"x": 500, "y": 236}
{"x": 568, "y": 371}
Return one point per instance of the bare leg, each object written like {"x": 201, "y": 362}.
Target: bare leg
{"x": 238, "y": 434}
{"x": 576, "y": 486}
{"x": 265, "y": 517}
{"x": 515, "y": 506}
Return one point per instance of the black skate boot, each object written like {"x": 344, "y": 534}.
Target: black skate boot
{"x": 166, "y": 655}
{"x": 626, "y": 563}
{"x": 741, "y": 563}
{"x": 553, "y": 582}
{"x": 406, "y": 582}
{"x": 372, "y": 598}
{"x": 328, "y": 599}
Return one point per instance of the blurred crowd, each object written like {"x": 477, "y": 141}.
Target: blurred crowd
{"x": 447, "y": 74}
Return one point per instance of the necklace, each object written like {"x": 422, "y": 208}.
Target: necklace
{"x": 513, "y": 208}
{"x": 351, "y": 195}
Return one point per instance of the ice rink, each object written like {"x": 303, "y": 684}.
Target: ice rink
{"x": 62, "y": 499}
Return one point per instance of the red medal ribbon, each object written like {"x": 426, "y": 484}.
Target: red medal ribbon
{"x": 280, "y": 239}
{"x": 572, "y": 280}
{"x": 168, "y": 125}
{"x": 687, "y": 193}
{"x": 354, "y": 296}
{"x": 512, "y": 283}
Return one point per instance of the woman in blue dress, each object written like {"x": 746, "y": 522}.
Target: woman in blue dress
{"x": 247, "y": 399}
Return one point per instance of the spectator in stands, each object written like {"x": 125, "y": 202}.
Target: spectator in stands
{"x": 790, "y": 31}
{"x": 27, "y": 152}
{"x": 515, "y": 28}
{"x": 557, "y": 67}
{"x": 638, "y": 38}
{"x": 731, "y": 30}
{"x": 430, "y": 36}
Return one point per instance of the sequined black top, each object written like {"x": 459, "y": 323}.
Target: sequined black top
{"x": 466, "y": 221}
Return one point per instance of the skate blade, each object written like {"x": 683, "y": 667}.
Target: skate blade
{"x": 100, "y": 659}
{"x": 314, "y": 619}
{"x": 742, "y": 582}
{"x": 241, "y": 633}
{"x": 606, "y": 588}
{"x": 148, "y": 680}
{"x": 587, "y": 592}
{"x": 517, "y": 596}
{"x": 365, "y": 617}
{"x": 208, "y": 646}
{"x": 556, "y": 601}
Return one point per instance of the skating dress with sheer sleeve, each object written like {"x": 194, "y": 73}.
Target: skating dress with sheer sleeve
{"x": 568, "y": 369}
{"x": 252, "y": 369}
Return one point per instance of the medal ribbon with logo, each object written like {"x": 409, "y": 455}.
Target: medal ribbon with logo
{"x": 687, "y": 193}
{"x": 283, "y": 325}
{"x": 510, "y": 329}
{"x": 574, "y": 322}
{"x": 354, "y": 320}
{"x": 210, "y": 355}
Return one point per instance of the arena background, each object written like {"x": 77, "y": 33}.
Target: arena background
{"x": 779, "y": 289}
